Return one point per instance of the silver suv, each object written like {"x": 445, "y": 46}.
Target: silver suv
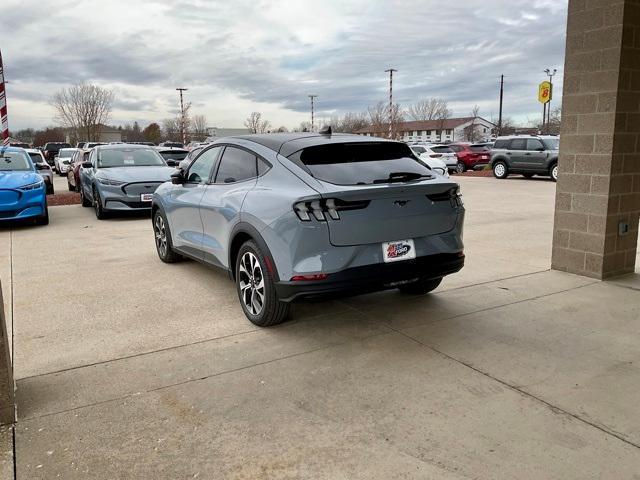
{"x": 527, "y": 155}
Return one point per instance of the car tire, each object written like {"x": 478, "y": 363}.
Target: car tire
{"x": 70, "y": 187}
{"x": 461, "y": 167}
{"x": 162, "y": 236}
{"x": 44, "y": 219}
{"x": 527, "y": 175}
{"x": 251, "y": 272}
{"x": 553, "y": 172}
{"x": 50, "y": 189}
{"x": 500, "y": 170}
{"x": 421, "y": 286}
{"x": 85, "y": 201}
{"x": 97, "y": 206}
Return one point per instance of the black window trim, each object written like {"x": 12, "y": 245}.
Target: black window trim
{"x": 214, "y": 168}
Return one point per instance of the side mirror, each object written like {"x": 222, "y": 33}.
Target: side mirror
{"x": 40, "y": 166}
{"x": 171, "y": 163}
{"x": 87, "y": 165}
{"x": 177, "y": 178}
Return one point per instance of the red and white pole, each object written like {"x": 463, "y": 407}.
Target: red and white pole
{"x": 4, "y": 121}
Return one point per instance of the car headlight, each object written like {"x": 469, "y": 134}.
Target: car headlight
{"x": 107, "y": 181}
{"x": 32, "y": 186}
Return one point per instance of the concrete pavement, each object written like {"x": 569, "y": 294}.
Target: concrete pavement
{"x": 129, "y": 368}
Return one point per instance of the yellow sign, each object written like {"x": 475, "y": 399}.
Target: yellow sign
{"x": 545, "y": 92}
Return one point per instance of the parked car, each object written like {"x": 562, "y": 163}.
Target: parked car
{"x": 443, "y": 152}
{"x": 43, "y": 168}
{"x": 73, "y": 173}
{"x": 61, "y": 161}
{"x": 528, "y": 155}
{"x": 292, "y": 216}
{"x": 19, "y": 145}
{"x": 51, "y": 149}
{"x": 471, "y": 156}
{"x": 173, "y": 156}
{"x": 23, "y": 193}
{"x": 121, "y": 177}
{"x": 433, "y": 163}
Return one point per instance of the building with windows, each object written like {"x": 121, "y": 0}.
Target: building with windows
{"x": 449, "y": 130}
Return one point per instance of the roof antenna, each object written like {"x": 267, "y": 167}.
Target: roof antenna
{"x": 326, "y": 130}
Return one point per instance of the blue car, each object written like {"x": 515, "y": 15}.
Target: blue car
{"x": 23, "y": 193}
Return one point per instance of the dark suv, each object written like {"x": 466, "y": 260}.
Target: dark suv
{"x": 51, "y": 149}
{"x": 528, "y": 155}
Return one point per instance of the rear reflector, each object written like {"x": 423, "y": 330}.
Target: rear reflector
{"x": 309, "y": 278}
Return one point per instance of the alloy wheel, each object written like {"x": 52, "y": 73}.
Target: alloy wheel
{"x": 554, "y": 172}
{"x": 251, "y": 283}
{"x": 161, "y": 235}
{"x": 499, "y": 169}
{"x": 460, "y": 167}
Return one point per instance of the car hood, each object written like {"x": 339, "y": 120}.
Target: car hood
{"x": 18, "y": 179}
{"x": 137, "y": 174}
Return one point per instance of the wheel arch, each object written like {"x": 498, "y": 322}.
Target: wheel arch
{"x": 242, "y": 233}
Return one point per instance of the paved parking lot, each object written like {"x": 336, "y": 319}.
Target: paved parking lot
{"x": 130, "y": 368}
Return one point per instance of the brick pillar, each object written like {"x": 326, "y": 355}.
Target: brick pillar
{"x": 7, "y": 403}
{"x": 598, "y": 190}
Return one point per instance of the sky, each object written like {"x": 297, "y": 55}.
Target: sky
{"x": 239, "y": 56}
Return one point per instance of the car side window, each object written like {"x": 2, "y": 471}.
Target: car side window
{"x": 534, "y": 144}
{"x": 236, "y": 165}
{"x": 263, "y": 166}
{"x": 518, "y": 144}
{"x": 92, "y": 157}
{"x": 200, "y": 170}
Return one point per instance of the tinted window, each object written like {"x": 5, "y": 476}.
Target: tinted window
{"x": 358, "y": 163}
{"x": 419, "y": 150}
{"x": 236, "y": 165}
{"x": 534, "y": 144}
{"x": 479, "y": 148}
{"x": 501, "y": 144}
{"x": 263, "y": 167}
{"x": 35, "y": 157}
{"x": 442, "y": 149}
{"x": 518, "y": 144}
{"x": 551, "y": 143}
{"x": 129, "y": 157}
{"x": 174, "y": 154}
{"x": 200, "y": 170}
{"x": 456, "y": 148}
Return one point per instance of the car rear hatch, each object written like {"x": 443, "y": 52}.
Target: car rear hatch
{"x": 480, "y": 153}
{"x": 377, "y": 192}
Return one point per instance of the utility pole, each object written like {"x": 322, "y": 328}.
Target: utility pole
{"x": 500, "y": 113}
{"x": 550, "y": 73}
{"x": 312, "y": 121}
{"x": 391, "y": 70}
{"x": 4, "y": 119}
{"x": 184, "y": 137}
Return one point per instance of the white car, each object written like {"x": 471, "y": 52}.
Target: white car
{"x": 432, "y": 160}
{"x": 443, "y": 152}
{"x": 43, "y": 167}
{"x": 62, "y": 160}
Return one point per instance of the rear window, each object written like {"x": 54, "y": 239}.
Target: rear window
{"x": 36, "y": 157}
{"x": 442, "y": 149}
{"x": 479, "y": 148}
{"x": 174, "y": 155}
{"x": 359, "y": 163}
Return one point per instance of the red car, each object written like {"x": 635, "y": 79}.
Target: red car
{"x": 471, "y": 156}
{"x": 73, "y": 174}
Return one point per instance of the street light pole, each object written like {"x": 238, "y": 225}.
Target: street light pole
{"x": 312, "y": 121}
{"x": 500, "y": 114}
{"x": 550, "y": 73}
{"x": 391, "y": 70}
{"x": 184, "y": 137}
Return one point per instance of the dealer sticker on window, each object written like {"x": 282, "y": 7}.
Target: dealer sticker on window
{"x": 397, "y": 251}
{"x": 146, "y": 197}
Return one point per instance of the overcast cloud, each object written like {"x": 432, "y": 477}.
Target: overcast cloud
{"x": 237, "y": 56}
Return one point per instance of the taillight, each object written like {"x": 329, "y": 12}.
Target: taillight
{"x": 319, "y": 209}
{"x": 452, "y": 195}
{"x": 309, "y": 278}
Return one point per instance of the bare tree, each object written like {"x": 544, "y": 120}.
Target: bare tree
{"x": 430, "y": 109}
{"x": 83, "y": 108}
{"x": 441, "y": 118}
{"x": 379, "y": 118}
{"x": 349, "y": 123}
{"x": 256, "y": 124}
{"x": 171, "y": 129}
{"x": 471, "y": 133}
{"x": 199, "y": 127}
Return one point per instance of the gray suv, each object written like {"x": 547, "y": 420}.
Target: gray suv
{"x": 293, "y": 216}
{"x": 528, "y": 155}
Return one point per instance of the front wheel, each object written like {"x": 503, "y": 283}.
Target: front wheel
{"x": 500, "y": 170}
{"x": 97, "y": 205}
{"x": 162, "y": 235}
{"x": 50, "y": 188}
{"x": 461, "y": 167}
{"x": 85, "y": 200}
{"x": 44, "y": 219}
{"x": 420, "y": 287}
{"x": 256, "y": 288}
{"x": 553, "y": 172}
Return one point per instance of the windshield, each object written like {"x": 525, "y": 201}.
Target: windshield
{"x": 66, "y": 153}
{"x": 551, "y": 143}
{"x": 129, "y": 157}
{"x": 442, "y": 149}
{"x": 174, "y": 154}
{"x": 361, "y": 163}
{"x": 12, "y": 161}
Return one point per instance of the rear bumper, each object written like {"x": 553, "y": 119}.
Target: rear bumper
{"x": 372, "y": 278}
